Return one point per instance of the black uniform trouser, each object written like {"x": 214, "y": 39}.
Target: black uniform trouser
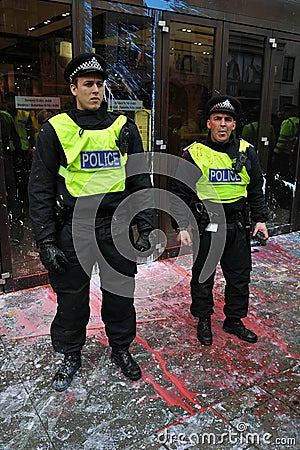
{"x": 235, "y": 262}
{"x": 68, "y": 329}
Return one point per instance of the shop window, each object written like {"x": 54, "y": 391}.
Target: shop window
{"x": 191, "y": 62}
{"x": 125, "y": 41}
{"x": 35, "y": 45}
{"x": 244, "y": 80}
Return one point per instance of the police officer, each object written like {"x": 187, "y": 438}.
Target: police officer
{"x": 82, "y": 154}
{"x": 224, "y": 179}
{"x": 289, "y": 131}
{"x": 285, "y": 157}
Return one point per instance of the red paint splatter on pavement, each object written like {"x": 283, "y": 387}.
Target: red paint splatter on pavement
{"x": 180, "y": 396}
{"x": 171, "y": 398}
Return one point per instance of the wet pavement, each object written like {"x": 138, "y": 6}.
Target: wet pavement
{"x": 232, "y": 395}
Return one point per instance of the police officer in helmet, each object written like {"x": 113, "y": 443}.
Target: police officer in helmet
{"x": 225, "y": 181}
{"x": 81, "y": 155}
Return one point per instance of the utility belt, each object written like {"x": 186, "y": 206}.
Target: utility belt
{"x": 204, "y": 217}
{"x": 240, "y": 218}
{"x": 64, "y": 213}
{"x": 237, "y": 216}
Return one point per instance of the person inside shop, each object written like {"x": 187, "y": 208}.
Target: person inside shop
{"x": 26, "y": 126}
{"x": 285, "y": 157}
{"x": 288, "y": 136}
{"x": 221, "y": 182}
{"x": 250, "y": 129}
{"x": 84, "y": 154}
{"x": 11, "y": 149}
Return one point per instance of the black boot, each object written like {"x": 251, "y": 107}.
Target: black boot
{"x": 204, "y": 334}
{"x": 66, "y": 372}
{"x": 236, "y": 327}
{"x": 122, "y": 358}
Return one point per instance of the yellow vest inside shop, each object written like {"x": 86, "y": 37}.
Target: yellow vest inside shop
{"x": 219, "y": 183}
{"x": 21, "y": 120}
{"x": 95, "y": 164}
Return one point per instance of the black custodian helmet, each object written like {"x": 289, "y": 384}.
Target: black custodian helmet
{"x": 85, "y": 63}
{"x": 223, "y": 104}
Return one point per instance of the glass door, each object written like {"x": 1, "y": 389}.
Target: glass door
{"x": 244, "y": 81}
{"x": 283, "y": 168}
{"x": 263, "y": 73}
{"x": 126, "y": 42}
{"x": 191, "y": 62}
{"x": 35, "y": 40}
{"x": 188, "y": 66}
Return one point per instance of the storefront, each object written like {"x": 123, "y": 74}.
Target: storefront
{"x": 165, "y": 60}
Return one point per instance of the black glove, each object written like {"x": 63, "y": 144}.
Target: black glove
{"x": 143, "y": 243}
{"x": 52, "y": 257}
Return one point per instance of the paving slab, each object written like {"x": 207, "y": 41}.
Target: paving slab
{"x": 231, "y": 395}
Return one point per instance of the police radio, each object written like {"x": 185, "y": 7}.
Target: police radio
{"x": 240, "y": 162}
{"x": 123, "y": 140}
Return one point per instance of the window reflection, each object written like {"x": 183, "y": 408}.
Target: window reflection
{"x": 35, "y": 43}
{"x": 284, "y": 158}
{"x": 125, "y": 41}
{"x": 190, "y": 83}
{"x": 285, "y": 121}
{"x": 244, "y": 79}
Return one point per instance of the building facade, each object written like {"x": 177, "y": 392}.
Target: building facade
{"x": 166, "y": 58}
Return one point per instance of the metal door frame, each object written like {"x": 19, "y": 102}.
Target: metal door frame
{"x": 5, "y": 252}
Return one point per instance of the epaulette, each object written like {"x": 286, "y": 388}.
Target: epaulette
{"x": 185, "y": 150}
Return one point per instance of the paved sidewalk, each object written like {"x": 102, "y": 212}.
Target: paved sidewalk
{"x": 232, "y": 395}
